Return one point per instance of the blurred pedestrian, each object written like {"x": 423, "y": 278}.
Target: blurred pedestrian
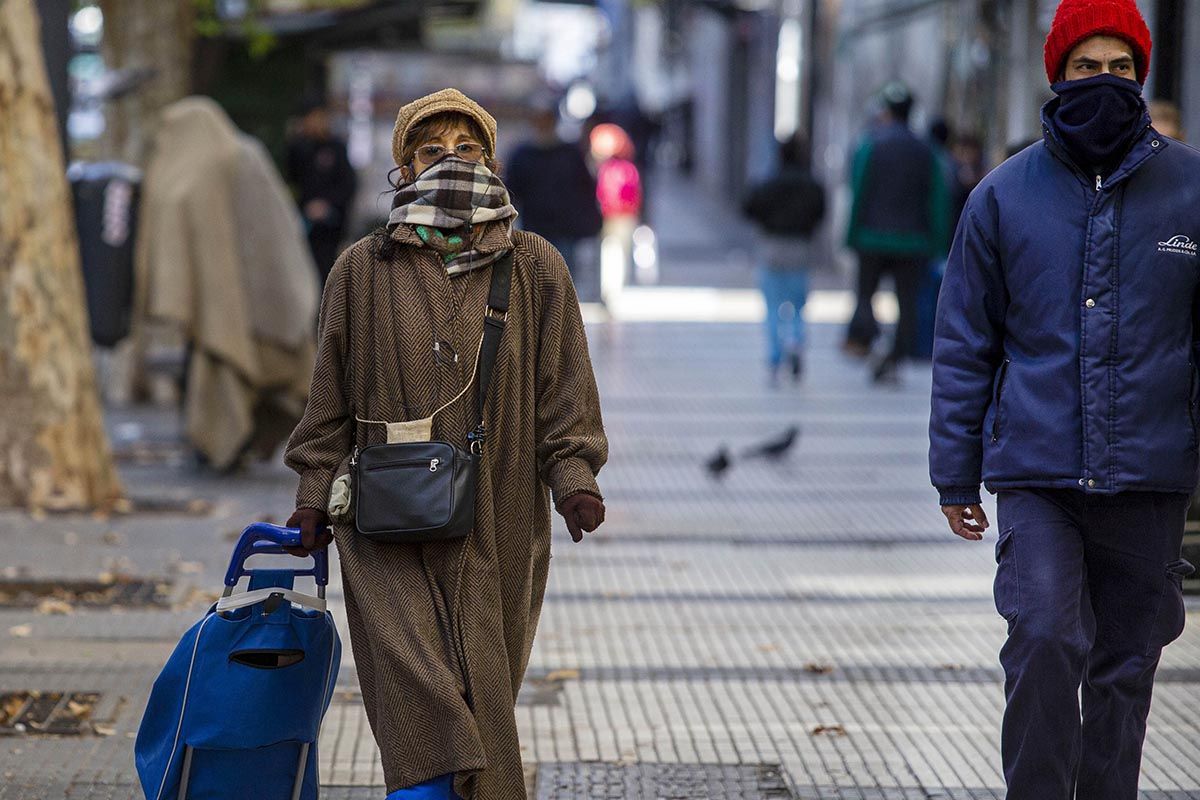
{"x": 788, "y": 208}
{"x": 964, "y": 166}
{"x": 967, "y": 167}
{"x": 1168, "y": 119}
{"x": 1065, "y": 378}
{"x": 898, "y": 222}
{"x": 221, "y": 264}
{"x": 553, "y": 188}
{"x": 324, "y": 182}
{"x": 442, "y": 631}
{"x": 643, "y": 129}
{"x": 619, "y": 191}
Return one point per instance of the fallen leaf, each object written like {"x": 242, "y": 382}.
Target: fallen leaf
{"x": 199, "y": 507}
{"x": 79, "y": 710}
{"x": 21, "y": 631}
{"x": 104, "y": 730}
{"x": 560, "y": 675}
{"x": 113, "y": 538}
{"x": 818, "y": 668}
{"x": 829, "y": 730}
{"x": 52, "y": 605}
{"x": 14, "y": 703}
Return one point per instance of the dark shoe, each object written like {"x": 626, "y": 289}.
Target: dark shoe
{"x": 886, "y": 373}
{"x": 718, "y": 464}
{"x": 856, "y": 349}
{"x": 797, "y": 365}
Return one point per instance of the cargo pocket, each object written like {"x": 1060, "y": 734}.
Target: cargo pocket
{"x": 1168, "y": 622}
{"x": 1007, "y": 586}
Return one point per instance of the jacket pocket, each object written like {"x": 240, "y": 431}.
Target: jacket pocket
{"x": 1169, "y": 621}
{"x": 1007, "y": 587}
{"x": 997, "y": 395}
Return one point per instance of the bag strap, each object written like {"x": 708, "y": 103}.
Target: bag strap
{"x": 495, "y": 317}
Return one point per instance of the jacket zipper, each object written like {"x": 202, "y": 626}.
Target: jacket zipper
{"x": 432, "y": 463}
{"x": 999, "y": 393}
{"x": 1099, "y": 183}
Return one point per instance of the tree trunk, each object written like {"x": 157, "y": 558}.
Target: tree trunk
{"x": 54, "y": 453}
{"x": 145, "y": 34}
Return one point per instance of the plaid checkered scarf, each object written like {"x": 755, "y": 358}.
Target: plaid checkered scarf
{"x": 451, "y": 195}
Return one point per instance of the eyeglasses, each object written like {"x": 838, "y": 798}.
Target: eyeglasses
{"x": 433, "y": 153}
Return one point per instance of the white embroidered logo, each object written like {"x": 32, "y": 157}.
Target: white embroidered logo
{"x": 1179, "y": 244}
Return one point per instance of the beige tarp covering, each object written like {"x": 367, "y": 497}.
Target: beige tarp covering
{"x": 222, "y": 260}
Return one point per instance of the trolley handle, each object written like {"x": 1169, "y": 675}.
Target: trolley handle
{"x": 262, "y": 538}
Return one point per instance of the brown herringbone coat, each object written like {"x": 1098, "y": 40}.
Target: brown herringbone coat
{"x": 441, "y": 633}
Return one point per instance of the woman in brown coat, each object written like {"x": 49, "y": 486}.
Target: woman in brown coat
{"x": 441, "y": 632}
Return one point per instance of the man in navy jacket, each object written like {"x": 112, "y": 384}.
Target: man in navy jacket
{"x": 1065, "y": 380}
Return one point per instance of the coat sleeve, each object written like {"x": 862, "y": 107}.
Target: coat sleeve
{"x": 967, "y": 351}
{"x": 322, "y": 439}
{"x": 571, "y": 444}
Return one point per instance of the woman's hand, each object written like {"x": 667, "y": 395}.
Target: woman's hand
{"x": 314, "y": 531}
{"x": 583, "y": 512}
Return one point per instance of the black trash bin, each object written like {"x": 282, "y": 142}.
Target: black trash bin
{"x": 106, "y": 204}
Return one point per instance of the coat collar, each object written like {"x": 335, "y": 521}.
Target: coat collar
{"x": 1147, "y": 143}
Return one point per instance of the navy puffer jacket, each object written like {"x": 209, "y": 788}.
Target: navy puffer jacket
{"x": 1066, "y": 339}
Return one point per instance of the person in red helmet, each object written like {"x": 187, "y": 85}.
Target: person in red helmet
{"x": 1065, "y": 380}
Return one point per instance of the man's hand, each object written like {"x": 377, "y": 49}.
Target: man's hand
{"x": 969, "y": 522}
{"x": 314, "y": 531}
{"x": 583, "y": 512}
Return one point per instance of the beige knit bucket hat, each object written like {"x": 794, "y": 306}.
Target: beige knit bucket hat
{"x": 436, "y": 103}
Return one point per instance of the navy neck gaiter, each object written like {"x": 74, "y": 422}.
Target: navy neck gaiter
{"x": 1097, "y": 118}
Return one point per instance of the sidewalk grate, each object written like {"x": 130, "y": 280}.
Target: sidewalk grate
{"x": 107, "y": 592}
{"x": 56, "y": 713}
{"x": 598, "y": 781}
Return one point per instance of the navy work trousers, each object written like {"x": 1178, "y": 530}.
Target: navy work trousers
{"x": 1091, "y": 587}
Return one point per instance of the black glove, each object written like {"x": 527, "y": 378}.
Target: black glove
{"x": 314, "y": 531}
{"x": 583, "y": 512}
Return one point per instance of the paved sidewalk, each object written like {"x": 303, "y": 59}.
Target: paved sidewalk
{"x": 801, "y": 629}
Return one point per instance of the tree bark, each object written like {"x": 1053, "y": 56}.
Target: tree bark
{"x": 54, "y": 452}
{"x": 145, "y": 34}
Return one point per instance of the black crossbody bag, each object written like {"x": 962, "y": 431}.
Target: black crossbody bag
{"x": 425, "y": 491}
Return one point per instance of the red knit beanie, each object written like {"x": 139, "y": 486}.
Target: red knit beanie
{"x": 1077, "y": 20}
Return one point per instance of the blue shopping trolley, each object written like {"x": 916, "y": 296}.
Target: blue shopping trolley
{"x": 236, "y": 711}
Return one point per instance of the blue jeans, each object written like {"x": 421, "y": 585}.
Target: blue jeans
{"x": 1091, "y": 587}
{"x": 437, "y": 789}
{"x": 784, "y": 293}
